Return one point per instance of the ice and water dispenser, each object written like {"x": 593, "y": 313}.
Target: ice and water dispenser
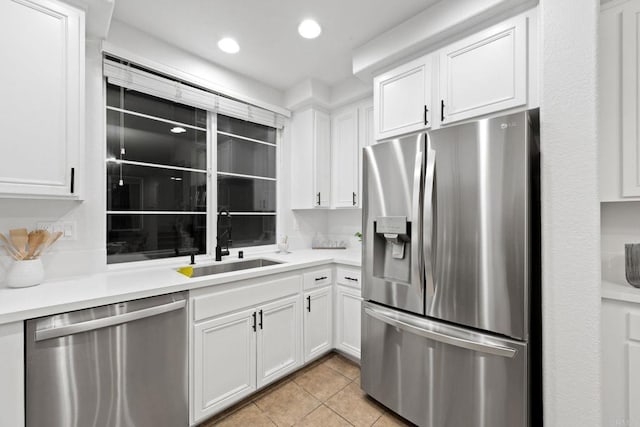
{"x": 392, "y": 248}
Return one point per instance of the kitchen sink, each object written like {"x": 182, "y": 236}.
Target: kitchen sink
{"x": 207, "y": 270}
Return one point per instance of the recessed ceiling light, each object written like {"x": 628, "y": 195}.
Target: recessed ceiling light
{"x": 178, "y": 129}
{"x": 228, "y": 45}
{"x": 309, "y": 29}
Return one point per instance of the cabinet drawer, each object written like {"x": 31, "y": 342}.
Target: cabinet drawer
{"x": 317, "y": 278}
{"x": 349, "y": 277}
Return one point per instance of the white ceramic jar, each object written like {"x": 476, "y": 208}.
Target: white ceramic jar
{"x": 25, "y": 273}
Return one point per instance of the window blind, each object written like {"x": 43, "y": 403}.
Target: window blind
{"x": 150, "y": 83}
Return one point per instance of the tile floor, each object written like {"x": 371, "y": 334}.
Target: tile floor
{"x": 324, "y": 394}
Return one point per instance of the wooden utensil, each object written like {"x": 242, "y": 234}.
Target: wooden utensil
{"x": 36, "y": 239}
{"x": 12, "y": 254}
{"x": 50, "y": 241}
{"x": 19, "y": 238}
{"x": 12, "y": 250}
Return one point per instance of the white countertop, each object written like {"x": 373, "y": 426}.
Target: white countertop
{"x": 620, "y": 292}
{"x": 59, "y": 296}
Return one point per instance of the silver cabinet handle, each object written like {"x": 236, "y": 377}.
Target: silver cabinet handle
{"x": 427, "y": 221}
{"x": 403, "y": 322}
{"x": 104, "y": 322}
{"x": 416, "y": 243}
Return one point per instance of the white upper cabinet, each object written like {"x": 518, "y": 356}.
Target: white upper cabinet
{"x": 310, "y": 159}
{"x": 630, "y": 99}
{"x": 402, "y": 98}
{"x": 485, "y": 72}
{"x": 41, "y": 108}
{"x": 345, "y": 151}
{"x": 352, "y": 129}
{"x": 618, "y": 97}
{"x": 322, "y": 164}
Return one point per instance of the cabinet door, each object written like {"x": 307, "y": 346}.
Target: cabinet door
{"x": 322, "y": 159}
{"x": 279, "y": 339}
{"x": 485, "y": 72}
{"x": 301, "y": 160}
{"x": 366, "y": 137}
{"x": 630, "y": 99}
{"x": 318, "y": 324}
{"x": 402, "y": 98}
{"x": 345, "y": 150}
{"x": 348, "y": 310}
{"x": 42, "y": 43}
{"x": 633, "y": 368}
{"x": 224, "y": 362}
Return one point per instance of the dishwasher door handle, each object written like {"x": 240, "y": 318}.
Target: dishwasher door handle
{"x": 90, "y": 325}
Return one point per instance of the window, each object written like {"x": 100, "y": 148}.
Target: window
{"x": 156, "y": 177}
{"x": 246, "y": 180}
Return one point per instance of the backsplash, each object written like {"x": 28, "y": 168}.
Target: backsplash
{"x": 620, "y": 224}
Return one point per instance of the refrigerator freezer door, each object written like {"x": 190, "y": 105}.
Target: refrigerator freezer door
{"x": 438, "y": 375}
{"x": 479, "y": 225}
{"x": 392, "y": 202}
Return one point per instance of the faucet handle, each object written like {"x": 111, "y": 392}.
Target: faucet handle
{"x": 193, "y": 258}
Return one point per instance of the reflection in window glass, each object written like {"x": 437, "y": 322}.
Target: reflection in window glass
{"x": 139, "y": 237}
{"x": 251, "y": 230}
{"x": 156, "y": 169}
{"x": 250, "y": 196}
{"x": 237, "y": 194}
{"x": 142, "y": 139}
{"x": 247, "y": 129}
{"x": 147, "y": 188}
{"x": 246, "y": 157}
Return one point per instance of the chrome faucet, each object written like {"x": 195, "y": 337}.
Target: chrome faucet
{"x": 222, "y": 246}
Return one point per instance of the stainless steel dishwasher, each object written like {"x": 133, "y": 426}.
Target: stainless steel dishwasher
{"x": 118, "y": 365}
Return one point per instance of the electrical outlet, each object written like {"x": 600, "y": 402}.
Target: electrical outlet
{"x": 67, "y": 228}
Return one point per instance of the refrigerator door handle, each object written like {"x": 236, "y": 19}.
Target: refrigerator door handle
{"x": 406, "y": 323}
{"x": 416, "y": 259}
{"x": 427, "y": 221}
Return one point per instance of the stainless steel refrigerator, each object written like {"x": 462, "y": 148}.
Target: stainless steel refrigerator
{"x": 450, "y": 327}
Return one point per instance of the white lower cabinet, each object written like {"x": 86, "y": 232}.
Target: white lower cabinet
{"x": 249, "y": 333}
{"x": 318, "y": 323}
{"x": 245, "y": 336}
{"x": 224, "y": 360}
{"x": 279, "y": 336}
{"x": 347, "y": 320}
{"x": 620, "y": 363}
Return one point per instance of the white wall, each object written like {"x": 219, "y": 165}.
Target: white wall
{"x": 149, "y": 51}
{"x": 342, "y": 224}
{"x": 570, "y": 214}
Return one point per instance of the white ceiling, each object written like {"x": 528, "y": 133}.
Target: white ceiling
{"x": 270, "y": 48}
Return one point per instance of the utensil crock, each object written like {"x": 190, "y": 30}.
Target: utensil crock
{"x": 25, "y": 273}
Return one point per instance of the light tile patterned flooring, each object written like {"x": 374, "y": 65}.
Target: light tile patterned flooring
{"x": 324, "y": 394}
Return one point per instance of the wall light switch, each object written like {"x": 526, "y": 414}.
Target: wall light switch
{"x": 67, "y": 228}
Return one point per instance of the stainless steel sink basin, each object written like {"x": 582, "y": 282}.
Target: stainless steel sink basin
{"x": 207, "y": 270}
